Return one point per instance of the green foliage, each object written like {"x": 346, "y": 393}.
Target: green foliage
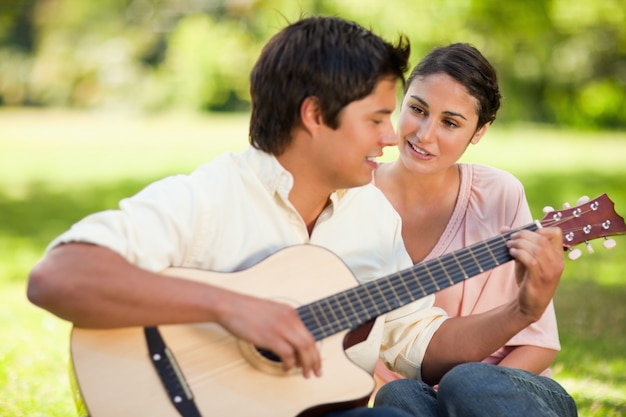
{"x": 206, "y": 60}
{"x": 560, "y": 62}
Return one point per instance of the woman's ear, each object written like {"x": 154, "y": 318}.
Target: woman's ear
{"x": 310, "y": 114}
{"x": 480, "y": 133}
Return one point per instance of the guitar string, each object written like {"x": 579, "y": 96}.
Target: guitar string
{"x": 384, "y": 286}
{"x": 391, "y": 294}
{"x": 485, "y": 252}
{"x": 376, "y": 292}
{"x": 388, "y": 287}
{"x": 384, "y": 294}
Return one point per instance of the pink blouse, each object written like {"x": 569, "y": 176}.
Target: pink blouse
{"x": 488, "y": 199}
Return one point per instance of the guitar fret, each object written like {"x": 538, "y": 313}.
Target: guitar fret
{"x": 369, "y": 294}
{"x": 395, "y": 294}
{"x": 349, "y": 303}
{"x": 327, "y": 327}
{"x": 495, "y": 260}
{"x": 470, "y": 264}
{"x": 417, "y": 280}
{"x": 359, "y": 299}
{"x": 443, "y": 267}
{"x": 406, "y": 287}
{"x": 384, "y": 299}
{"x": 407, "y": 290}
{"x": 317, "y": 318}
{"x": 460, "y": 266}
{"x": 343, "y": 312}
{"x": 363, "y": 295}
{"x": 331, "y": 309}
{"x": 390, "y": 295}
{"x": 471, "y": 252}
{"x": 432, "y": 278}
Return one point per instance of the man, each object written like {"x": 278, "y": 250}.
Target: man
{"x": 322, "y": 91}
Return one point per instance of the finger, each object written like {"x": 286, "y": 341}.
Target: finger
{"x": 538, "y": 254}
{"x": 311, "y": 360}
{"x": 307, "y": 354}
{"x": 524, "y": 247}
{"x": 554, "y": 236}
{"x": 536, "y": 243}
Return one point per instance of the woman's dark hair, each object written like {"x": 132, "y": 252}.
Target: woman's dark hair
{"x": 469, "y": 67}
{"x": 334, "y": 60}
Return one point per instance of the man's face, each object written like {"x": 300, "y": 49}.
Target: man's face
{"x": 348, "y": 153}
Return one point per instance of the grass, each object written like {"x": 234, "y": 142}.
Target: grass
{"x": 56, "y": 167}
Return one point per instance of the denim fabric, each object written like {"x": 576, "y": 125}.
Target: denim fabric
{"x": 370, "y": 412}
{"x": 480, "y": 389}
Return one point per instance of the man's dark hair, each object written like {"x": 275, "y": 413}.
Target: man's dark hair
{"x": 329, "y": 58}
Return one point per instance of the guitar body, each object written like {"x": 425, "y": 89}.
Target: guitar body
{"x": 116, "y": 377}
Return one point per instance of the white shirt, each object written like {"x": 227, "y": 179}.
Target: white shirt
{"x": 232, "y": 213}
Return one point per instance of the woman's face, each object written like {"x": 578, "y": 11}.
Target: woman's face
{"x": 437, "y": 122}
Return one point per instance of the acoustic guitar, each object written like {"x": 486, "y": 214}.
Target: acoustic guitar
{"x": 202, "y": 370}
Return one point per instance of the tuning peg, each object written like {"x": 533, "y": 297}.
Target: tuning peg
{"x": 582, "y": 200}
{"x": 589, "y": 247}
{"x": 609, "y": 243}
{"x": 547, "y": 209}
{"x": 574, "y": 254}
{"x": 566, "y": 205}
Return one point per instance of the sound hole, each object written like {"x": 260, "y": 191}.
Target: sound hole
{"x": 264, "y": 360}
{"x": 268, "y": 354}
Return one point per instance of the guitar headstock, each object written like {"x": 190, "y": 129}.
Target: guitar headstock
{"x": 587, "y": 221}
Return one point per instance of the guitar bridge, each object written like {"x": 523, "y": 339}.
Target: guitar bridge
{"x": 170, "y": 374}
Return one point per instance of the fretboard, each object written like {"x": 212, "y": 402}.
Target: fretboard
{"x": 353, "y": 307}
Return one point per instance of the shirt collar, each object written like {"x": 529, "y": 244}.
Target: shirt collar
{"x": 275, "y": 178}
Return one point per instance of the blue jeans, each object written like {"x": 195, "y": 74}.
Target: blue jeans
{"x": 480, "y": 389}
{"x": 370, "y": 412}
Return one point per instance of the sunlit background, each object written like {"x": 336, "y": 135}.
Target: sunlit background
{"x": 560, "y": 61}
{"x": 98, "y": 98}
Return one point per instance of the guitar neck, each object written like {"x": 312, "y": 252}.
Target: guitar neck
{"x": 353, "y": 307}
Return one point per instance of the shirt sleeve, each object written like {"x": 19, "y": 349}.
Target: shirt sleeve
{"x": 408, "y": 331}
{"x": 148, "y": 229}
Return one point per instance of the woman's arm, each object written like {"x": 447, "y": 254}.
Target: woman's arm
{"x": 539, "y": 265}
{"x": 534, "y": 359}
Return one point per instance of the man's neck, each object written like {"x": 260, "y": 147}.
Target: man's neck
{"x": 309, "y": 195}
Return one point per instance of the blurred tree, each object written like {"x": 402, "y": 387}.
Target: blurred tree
{"x": 17, "y": 31}
{"x": 16, "y": 24}
{"x": 207, "y": 63}
{"x": 559, "y": 61}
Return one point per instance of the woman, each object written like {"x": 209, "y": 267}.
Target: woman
{"x": 451, "y": 99}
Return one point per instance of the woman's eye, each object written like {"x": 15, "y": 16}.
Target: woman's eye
{"x": 416, "y": 109}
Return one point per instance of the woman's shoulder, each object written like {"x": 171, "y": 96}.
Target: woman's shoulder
{"x": 492, "y": 178}
{"x": 495, "y": 194}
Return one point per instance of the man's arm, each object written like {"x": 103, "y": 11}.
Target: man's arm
{"x": 92, "y": 286}
{"x": 539, "y": 265}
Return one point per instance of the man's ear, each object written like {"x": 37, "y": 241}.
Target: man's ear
{"x": 480, "y": 133}
{"x": 310, "y": 114}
